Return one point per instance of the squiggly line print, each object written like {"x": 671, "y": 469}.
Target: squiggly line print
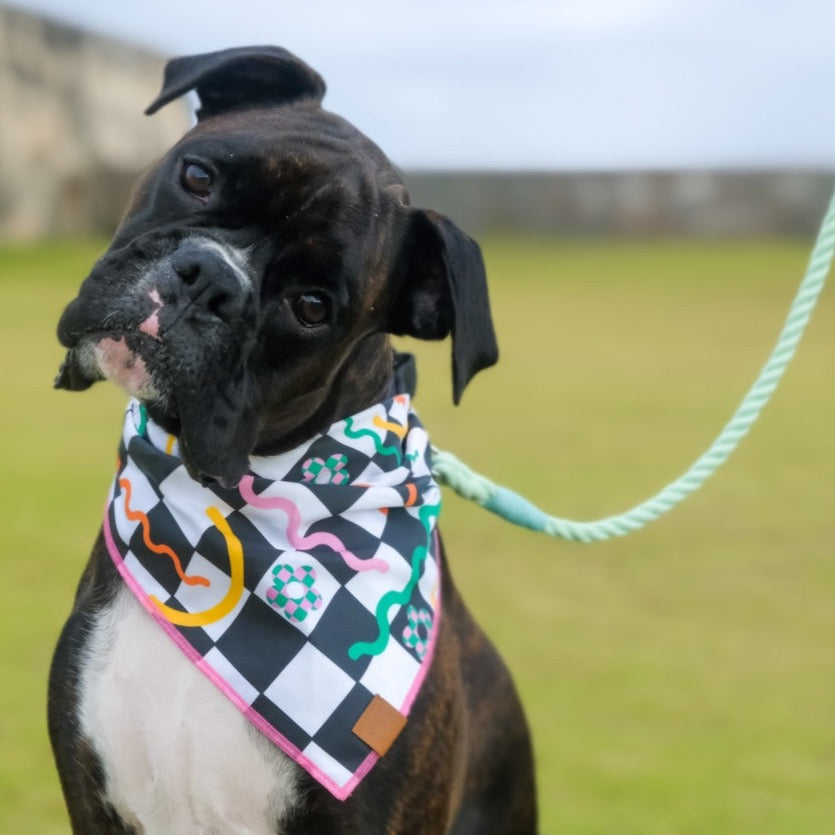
{"x": 142, "y": 518}
{"x": 143, "y": 420}
{"x": 378, "y": 444}
{"x": 388, "y": 426}
{"x": 412, "y": 498}
{"x": 398, "y": 598}
{"x": 303, "y": 543}
{"x": 236, "y": 582}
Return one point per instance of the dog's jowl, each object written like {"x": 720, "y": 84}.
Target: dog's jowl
{"x": 266, "y": 638}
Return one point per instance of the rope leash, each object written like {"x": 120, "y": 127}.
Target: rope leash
{"x": 515, "y": 508}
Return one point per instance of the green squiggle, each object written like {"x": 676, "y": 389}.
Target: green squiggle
{"x": 398, "y": 598}
{"x": 378, "y": 444}
{"x": 143, "y": 420}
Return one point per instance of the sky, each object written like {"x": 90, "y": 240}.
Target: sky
{"x": 537, "y": 84}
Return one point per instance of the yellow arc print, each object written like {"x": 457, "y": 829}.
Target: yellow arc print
{"x": 236, "y": 585}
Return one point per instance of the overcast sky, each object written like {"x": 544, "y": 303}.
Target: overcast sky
{"x": 537, "y": 83}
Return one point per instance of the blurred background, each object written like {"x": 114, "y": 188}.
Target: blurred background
{"x": 645, "y": 178}
{"x": 572, "y": 117}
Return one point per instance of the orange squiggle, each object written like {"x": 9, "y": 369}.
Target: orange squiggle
{"x": 413, "y": 494}
{"x": 142, "y": 518}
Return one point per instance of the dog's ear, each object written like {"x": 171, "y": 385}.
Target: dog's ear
{"x": 441, "y": 288}
{"x": 239, "y": 77}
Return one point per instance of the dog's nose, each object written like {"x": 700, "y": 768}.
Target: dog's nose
{"x": 212, "y": 280}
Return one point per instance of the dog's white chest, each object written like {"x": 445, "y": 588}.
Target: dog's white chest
{"x": 177, "y": 755}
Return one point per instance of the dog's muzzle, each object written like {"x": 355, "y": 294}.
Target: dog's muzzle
{"x": 176, "y": 332}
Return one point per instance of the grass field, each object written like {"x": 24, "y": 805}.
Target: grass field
{"x": 681, "y": 680}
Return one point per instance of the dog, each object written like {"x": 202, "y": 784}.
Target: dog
{"x": 245, "y": 304}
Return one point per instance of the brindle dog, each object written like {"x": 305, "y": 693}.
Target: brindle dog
{"x": 247, "y": 300}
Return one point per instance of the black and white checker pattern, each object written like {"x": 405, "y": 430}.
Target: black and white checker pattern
{"x": 295, "y": 679}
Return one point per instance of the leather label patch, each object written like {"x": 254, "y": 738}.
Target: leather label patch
{"x": 379, "y": 725}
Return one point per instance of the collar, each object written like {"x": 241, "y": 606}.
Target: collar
{"x": 308, "y": 594}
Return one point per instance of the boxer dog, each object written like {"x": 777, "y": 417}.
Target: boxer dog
{"x": 331, "y": 679}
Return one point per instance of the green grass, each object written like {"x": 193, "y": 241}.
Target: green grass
{"x": 681, "y": 680}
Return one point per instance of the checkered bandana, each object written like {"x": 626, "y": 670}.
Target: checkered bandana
{"x": 309, "y": 594}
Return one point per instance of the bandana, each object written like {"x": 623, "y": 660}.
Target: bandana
{"x": 308, "y": 594}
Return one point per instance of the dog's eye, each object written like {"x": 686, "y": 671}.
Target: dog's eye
{"x": 196, "y": 179}
{"x": 311, "y": 309}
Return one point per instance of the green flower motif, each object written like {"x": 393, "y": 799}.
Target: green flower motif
{"x": 418, "y": 630}
{"x": 294, "y": 591}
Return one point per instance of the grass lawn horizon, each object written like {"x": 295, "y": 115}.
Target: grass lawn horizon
{"x": 678, "y": 680}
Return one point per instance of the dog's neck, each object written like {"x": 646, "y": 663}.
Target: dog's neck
{"x": 363, "y": 379}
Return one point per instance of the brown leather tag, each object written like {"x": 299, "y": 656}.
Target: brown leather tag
{"x": 379, "y": 725}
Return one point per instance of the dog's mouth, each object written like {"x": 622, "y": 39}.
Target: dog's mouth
{"x": 121, "y": 328}
{"x": 121, "y": 356}
{"x": 203, "y": 396}
{"x": 192, "y": 375}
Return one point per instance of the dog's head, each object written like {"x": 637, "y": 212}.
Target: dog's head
{"x": 247, "y": 295}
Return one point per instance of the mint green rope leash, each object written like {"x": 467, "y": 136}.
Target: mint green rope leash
{"x": 448, "y": 470}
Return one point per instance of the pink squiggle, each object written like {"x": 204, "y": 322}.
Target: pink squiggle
{"x": 302, "y": 543}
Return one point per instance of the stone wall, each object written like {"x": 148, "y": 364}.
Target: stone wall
{"x": 637, "y": 203}
{"x": 72, "y": 134}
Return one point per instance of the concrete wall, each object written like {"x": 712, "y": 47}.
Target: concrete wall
{"x": 72, "y": 133}
{"x": 644, "y": 203}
